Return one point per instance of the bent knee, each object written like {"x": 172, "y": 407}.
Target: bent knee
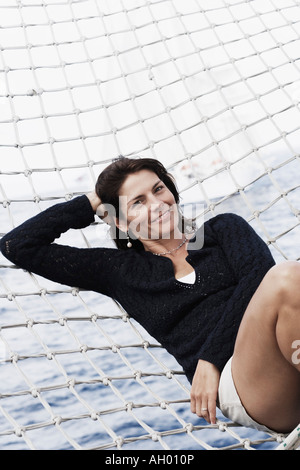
{"x": 284, "y": 280}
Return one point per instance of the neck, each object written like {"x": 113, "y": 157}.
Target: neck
{"x": 161, "y": 246}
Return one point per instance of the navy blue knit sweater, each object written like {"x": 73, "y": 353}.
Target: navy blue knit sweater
{"x": 197, "y": 321}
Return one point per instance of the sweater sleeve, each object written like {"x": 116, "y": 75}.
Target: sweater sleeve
{"x": 250, "y": 259}
{"x": 30, "y": 246}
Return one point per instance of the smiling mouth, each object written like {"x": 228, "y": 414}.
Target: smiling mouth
{"x": 163, "y": 216}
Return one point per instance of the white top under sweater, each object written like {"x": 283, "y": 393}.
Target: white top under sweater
{"x": 189, "y": 278}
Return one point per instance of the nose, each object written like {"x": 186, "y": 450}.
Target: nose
{"x": 154, "y": 202}
{"x": 156, "y": 209}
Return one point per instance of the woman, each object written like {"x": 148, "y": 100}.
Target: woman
{"x": 214, "y": 298}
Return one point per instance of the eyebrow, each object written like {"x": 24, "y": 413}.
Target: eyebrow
{"x": 141, "y": 195}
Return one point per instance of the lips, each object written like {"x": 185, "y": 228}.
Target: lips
{"x": 162, "y": 216}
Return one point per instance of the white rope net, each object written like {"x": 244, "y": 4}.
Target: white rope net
{"x": 209, "y": 87}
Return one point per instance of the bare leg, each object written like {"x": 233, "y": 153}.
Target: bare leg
{"x": 266, "y": 376}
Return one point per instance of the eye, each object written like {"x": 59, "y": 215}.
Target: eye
{"x": 159, "y": 188}
{"x": 136, "y": 203}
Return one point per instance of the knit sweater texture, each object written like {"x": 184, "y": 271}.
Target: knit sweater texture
{"x": 191, "y": 321}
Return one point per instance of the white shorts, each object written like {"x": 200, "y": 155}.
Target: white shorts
{"x": 230, "y": 403}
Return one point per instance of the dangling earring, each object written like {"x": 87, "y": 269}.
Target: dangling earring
{"x": 129, "y": 244}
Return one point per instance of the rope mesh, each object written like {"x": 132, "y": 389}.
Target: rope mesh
{"x": 209, "y": 87}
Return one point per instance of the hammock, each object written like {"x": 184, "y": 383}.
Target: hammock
{"x": 212, "y": 90}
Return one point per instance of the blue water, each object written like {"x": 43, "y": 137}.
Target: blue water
{"x": 71, "y": 407}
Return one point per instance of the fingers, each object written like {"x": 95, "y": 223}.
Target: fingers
{"x": 204, "y": 407}
{"x": 204, "y": 391}
{"x": 211, "y": 411}
{"x": 208, "y": 412}
{"x": 94, "y": 200}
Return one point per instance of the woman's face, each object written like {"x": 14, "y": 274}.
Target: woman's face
{"x": 148, "y": 208}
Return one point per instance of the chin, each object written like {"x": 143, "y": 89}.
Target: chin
{"x": 165, "y": 233}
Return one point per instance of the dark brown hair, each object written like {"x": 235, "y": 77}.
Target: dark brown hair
{"x": 112, "y": 178}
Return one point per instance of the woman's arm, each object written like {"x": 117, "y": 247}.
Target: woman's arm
{"x": 250, "y": 259}
{"x": 204, "y": 391}
{"x": 30, "y": 246}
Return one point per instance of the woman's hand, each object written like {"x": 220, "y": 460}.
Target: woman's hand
{"x": 204, "y": 391}
{"x": 94, "y": 200}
